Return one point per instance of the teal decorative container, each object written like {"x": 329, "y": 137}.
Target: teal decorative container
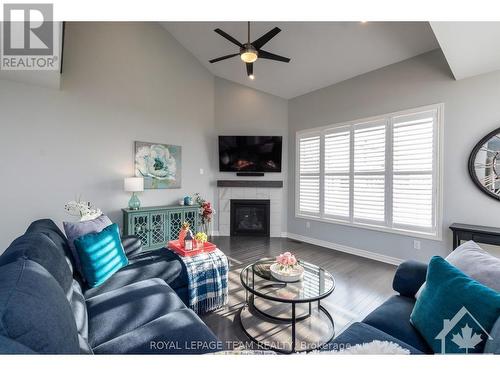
{"x": 134, "y": 203}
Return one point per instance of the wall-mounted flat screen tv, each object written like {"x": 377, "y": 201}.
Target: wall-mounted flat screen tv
{"x": 250, "y": 154}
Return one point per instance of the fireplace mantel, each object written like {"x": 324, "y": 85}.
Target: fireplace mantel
{"x": 250, "y": 183}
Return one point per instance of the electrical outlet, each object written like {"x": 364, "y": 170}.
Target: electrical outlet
{"x": 202, "y": 171}
{"x": 308, "y": 224}
{"x": 416, "y": 244}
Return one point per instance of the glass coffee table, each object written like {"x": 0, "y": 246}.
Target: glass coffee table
{"x": 286, "y": 317}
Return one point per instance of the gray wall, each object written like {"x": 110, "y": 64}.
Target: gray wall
{"x": 122, "y": 82}
{"x": 471, "y": 110}
{"x": 240, "y": 110}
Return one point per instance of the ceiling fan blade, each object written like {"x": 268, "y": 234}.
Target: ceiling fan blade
{"x": 228, "y": 37}
{"x": 271, "y": 56}
{"x": 266, "y": 38}
{"x": 249, "y": 69}
{"x": 223, "y": 58}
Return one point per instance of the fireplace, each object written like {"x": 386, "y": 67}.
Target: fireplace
{"x": 250, "y": 217}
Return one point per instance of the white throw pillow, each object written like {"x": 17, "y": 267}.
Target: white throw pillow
{"x": 475, "y": 263}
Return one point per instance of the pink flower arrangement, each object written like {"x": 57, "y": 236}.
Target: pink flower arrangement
{"x": 286, "y": 260}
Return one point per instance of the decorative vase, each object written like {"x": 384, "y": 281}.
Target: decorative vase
{"x": 206, "y": 227}
{"x": 134, "y": 203}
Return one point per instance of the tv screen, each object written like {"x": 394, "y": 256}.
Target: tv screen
{"x": 250, "y": 154}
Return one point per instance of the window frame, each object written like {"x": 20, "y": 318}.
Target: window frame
{"x": 387, "y": 226}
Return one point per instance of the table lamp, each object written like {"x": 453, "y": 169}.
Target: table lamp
{"x": 134, "y": 185}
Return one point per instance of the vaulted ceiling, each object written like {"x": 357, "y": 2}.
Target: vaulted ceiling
{"x": 322, "y": 53}
{"x": 471, "y": 48}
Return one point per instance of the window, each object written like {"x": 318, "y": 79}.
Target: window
{"x": 381, "y": 173}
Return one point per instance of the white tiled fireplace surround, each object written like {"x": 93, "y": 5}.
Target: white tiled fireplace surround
{"x": 275, "y": 195}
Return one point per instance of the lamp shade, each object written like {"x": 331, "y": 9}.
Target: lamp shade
{"x": 134, "y": 184}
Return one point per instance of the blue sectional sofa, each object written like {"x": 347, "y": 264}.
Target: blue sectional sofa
{"x": 46, "y": 308}
{"x": 391, "y": 320}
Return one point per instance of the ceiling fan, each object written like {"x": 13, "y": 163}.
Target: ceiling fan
{"x": 251, "y": 51}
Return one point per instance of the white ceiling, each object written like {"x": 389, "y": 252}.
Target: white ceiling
{"x": 322, "y": 53}
{"x": 471, "y": 48}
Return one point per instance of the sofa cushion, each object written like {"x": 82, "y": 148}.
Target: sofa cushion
{"x": 393, "y": 318}
{"x": 360, "y": 333}
{"x": 160, "y": 264}
{"x": 475, "y": 263}
{"x": 9, "y": 346}
{"x": 101, "y": 255}
{"x": 79, "y": 307}
{"x": 77, "y": 229}
{"x": 39, "y": 248}
{"x": 50, "y": 229}
{"x": 120, "y": 311}
{"x": 34, "y": 310}
{"x": 451, "y": 300}
{"x": 179, "y": 332}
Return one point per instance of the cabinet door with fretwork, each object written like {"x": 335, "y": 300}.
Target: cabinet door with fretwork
{"x": 191, "y": 216}
{"x": 139, "y": 226}
{"x": 174, "y": 223}
{"x": 157, "y": 232}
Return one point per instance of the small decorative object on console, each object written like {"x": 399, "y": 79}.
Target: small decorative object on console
{"x": 188, "y": 241}
{"x": 201, "y": 238}
{"x": 188, "y": 201}
{"x": 183, "y": 232}
{"x": 287, "y": 268}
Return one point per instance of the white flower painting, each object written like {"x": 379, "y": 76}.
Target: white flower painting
{"x": 158, "y": 164}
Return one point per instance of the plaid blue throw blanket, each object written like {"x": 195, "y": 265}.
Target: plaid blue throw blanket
{"x": 207, "y": 281}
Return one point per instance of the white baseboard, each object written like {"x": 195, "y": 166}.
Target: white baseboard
{"x": 284, "y": 234}
{"x": 346, "y": 249}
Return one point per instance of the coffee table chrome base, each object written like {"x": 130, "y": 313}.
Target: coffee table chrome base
{"x": 293, "y": 320}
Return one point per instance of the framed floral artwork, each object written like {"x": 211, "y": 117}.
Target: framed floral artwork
{"x": 160, "y": 165}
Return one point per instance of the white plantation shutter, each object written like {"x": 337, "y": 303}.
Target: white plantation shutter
{"x": 369, "y": 198}
{"x": 309, "y": 174}
{"x": 337, "y": 166}
{"x": 377, "y": 174}
{"x": 413, "y": 161}
{"x": 369, "y": 172}
{"x": 369, "y": 148}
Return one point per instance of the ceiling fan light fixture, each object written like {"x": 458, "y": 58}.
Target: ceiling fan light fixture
{"x": 249, "y": 54}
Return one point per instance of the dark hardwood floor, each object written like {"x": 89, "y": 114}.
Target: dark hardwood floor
{"x": 361, "y": 284}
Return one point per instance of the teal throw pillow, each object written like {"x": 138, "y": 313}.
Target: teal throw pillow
{"x": 454, "y": 313}
{"x": 101, "y": 254}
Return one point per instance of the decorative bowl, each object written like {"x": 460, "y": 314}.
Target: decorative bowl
{"x": 294, "y": 274}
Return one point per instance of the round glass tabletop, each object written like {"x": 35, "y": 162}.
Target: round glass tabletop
{"x": 316, "y": 283}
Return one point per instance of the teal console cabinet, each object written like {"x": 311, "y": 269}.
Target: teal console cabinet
{"x": 155, "y": 226}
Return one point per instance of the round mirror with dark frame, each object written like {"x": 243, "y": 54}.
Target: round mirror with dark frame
{"x": 484, "y": 164}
